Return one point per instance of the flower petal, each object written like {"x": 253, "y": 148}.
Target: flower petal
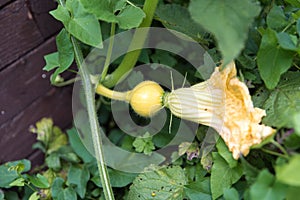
{"x": 224, "y": 103}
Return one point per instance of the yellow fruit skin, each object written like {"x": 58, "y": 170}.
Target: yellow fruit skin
{"x": 146, "y": 98}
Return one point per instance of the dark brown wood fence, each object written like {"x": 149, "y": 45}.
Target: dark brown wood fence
{"x": 27, "y": 33}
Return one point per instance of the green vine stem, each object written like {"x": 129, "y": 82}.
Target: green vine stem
{"x": 95, "y": 128}
{"x": 138, "y": 40}
{"x": 109, "y": 51}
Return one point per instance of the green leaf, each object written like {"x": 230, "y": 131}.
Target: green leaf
{"x": 130, "y": 17}
{"x": 166, "y": 183}
{"x": 11, "y": 195}
{"x": 289, "y": 173}
{"x": 296, "y": 123}
{"x": 287, "y": 41}
{"x": 65, "y": 53}
{"x": 53, "y": 161}
{"x": 228, "y": 20}
{"x": 267, "y": 188}
{"x": 18, "y": 182}
{"x": 200, "y": 189}
{"x": 117, "y": 178}
{"x": 39, "y": 181}
{"x": 249, "y": 171}
{"x": 79, "y": 177}
{"x": 272, "y": 60}
{"x": 222, "y": 176}
{"x": 126, "y": 15}
{"x": 51, "y": 136}
{"x": 34, "y": 196}
{"x": 67, "y": 193}
{"x": 52, "y": 61}
{"x": 144, "y": 144}
{"x": 103, "y": 10}
{"x": 83, "y": 25}
{"x": 65, "y": 50}
{"x": 292, "y": 193}
{"x": 225, "y": 153}
{"x": 292, "y": 141}
{"x": 57, "y": 187}
{"x": 78, "y": 146}
{"x": 298, "y": 26}
{"x": 295, "y": 3}
{"x": 9, "y": 171}
{"x": 178, "y": 18}
{"x": 231, "y": 194}
{"x": 62, "y": 14}
{"x": 164, "y": 58}
{"x": 284, "y": 102}
{"x": 276, "y": 19}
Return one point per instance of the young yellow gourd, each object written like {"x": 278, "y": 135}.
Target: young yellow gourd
{"x": 146, "y": 99}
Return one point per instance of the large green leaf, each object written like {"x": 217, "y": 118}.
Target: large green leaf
{"x": 78, "y": 146}
{"x": 79, "y": 177}
{"x": 284, "y": 102}
{"x": 223, "y": 176}
{"x": 228, "y": 20}
{"x": 272, "y": 60}
{"x": 289, "y": 173}
{"x": 9, "y": 171}
{"x": 267, "y": 188}
{"x": 166, "y": 183}
{"x": 176, "y": 17}
{"x": 126, "y": 15}
{"x": 82, "y": 25}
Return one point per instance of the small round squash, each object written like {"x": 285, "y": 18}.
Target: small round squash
{"x": 146, "y": 98}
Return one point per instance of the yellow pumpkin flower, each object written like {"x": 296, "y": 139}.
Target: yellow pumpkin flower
{"x": 224, "y": 103}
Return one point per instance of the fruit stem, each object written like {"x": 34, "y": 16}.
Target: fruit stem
{"x": 104, "y": 91}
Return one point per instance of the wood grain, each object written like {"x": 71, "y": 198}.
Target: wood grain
{"x": 45, "y": 22}
{"x": 19, "y": 33}
{"x": 16, "y": 141}
{"x": 23, "y": 82}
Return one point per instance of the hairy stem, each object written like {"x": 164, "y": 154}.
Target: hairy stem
{"x": 138, "y": 40}
{"x": 121, "y": 96}
{"x": 95, "y": 128}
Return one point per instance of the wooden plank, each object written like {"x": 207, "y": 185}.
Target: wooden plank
{"x": 37, "y": 158}
{"x": 19, "y": 34}
{"x": 48, "y": 26}
{"x": 23, "y": 82}
{"x": 3, "y": 2}
{"x": 16, "y": 141}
